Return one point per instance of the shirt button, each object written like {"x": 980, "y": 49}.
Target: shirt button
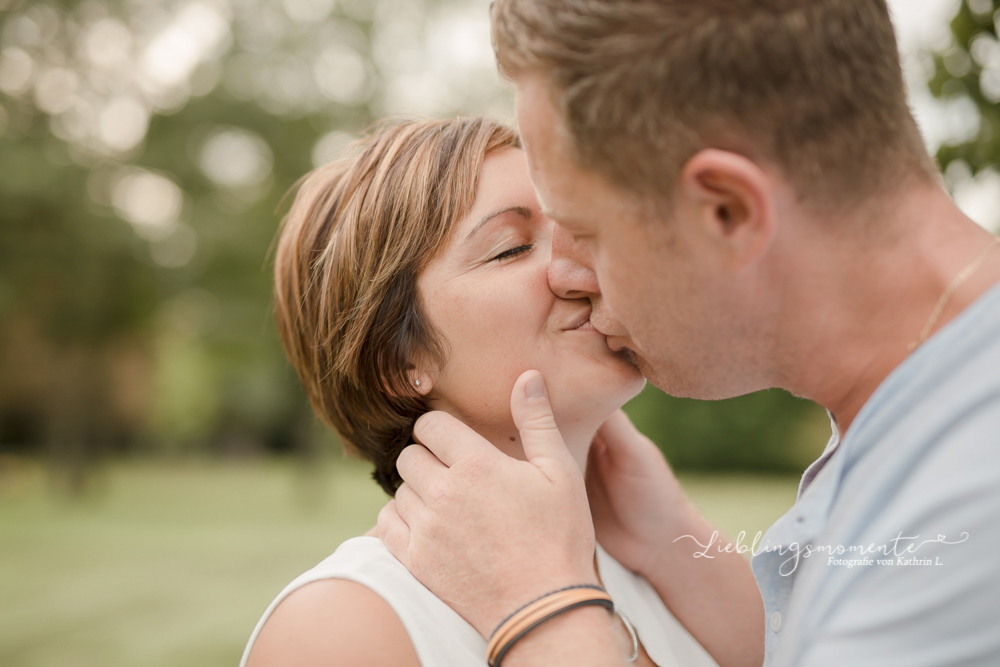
{"x": 776, "y": 621}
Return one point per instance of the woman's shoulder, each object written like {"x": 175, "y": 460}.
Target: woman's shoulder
{"x": 374, "y": 604}
{"x": 332, "y": 617}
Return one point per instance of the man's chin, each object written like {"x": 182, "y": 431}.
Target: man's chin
{"x": 652, "y": 376}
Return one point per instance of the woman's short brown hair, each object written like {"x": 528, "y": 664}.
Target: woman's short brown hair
{"x": 345, "y": 278}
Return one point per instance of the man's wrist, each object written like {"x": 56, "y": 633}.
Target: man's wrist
{"x": 544, "y": 609}
{"x": 582, "y": 637}
{"x": 509, "y": 602}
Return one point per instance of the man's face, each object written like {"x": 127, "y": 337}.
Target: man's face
{"x": 658, "y": 287}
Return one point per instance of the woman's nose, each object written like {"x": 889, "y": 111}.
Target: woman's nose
{"x": 571, "y": 274}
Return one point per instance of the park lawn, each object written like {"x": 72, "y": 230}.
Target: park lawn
{"x": 172, "y": 563}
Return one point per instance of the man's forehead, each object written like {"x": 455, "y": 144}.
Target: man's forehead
{"x": 566, "y": 192}
{"x": 536, "y": 115}
{"x": 545, "y": 143}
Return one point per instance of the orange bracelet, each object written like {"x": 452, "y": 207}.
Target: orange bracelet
{"x": 533, "y": 614}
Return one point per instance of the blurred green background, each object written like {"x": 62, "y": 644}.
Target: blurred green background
{"x": 161, "y": 476}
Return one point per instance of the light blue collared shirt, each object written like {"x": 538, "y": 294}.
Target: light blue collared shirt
{"x": 891, "y": 554}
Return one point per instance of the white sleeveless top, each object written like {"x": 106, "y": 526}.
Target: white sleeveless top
{"x": 442, "y": 638}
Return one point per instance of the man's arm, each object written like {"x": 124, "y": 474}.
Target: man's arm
{"x": 640, "y": 514}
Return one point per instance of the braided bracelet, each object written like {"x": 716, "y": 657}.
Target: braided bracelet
{"x": 536, "y": 612}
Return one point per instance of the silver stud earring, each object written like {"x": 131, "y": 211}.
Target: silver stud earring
{"x": 417, "y": 383}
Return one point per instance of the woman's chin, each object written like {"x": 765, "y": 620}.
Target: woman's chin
{"x": 581, "y": 410}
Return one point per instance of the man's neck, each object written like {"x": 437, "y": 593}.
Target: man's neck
{"x": 858, "y": 299}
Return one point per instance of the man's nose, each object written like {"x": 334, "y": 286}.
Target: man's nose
{"x": 571, "y": 273}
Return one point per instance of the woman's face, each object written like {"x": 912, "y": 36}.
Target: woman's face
{"x": 487, "y": 294}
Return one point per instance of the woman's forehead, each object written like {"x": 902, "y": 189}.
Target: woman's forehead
{"x": 504, "y": 184}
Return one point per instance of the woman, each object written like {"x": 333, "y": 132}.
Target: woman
{"x": 413, "y": 277}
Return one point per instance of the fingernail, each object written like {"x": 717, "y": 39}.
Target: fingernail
{"x": 534, "y": 388}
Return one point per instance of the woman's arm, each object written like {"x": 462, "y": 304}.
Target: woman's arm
{"x": 333, "y": 621}
{"x": 640, "y": 515}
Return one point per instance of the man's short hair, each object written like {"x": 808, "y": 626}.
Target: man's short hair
{"x": 813, "y": 87}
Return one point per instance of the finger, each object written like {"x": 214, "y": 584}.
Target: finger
{"x": 408, "y": 504}
{"x": 448, "y": 438}
{"x": 599, "y": 461}
{"x": 393, "y": 531}
{"x": 597, "y": 493}
{"x": 596, "y": 461}
{"x": 618, "y": 438}
{"x": 420, "y": 469}
{"x": 532, "y": 412}
{"x": 617, "y": 428}
{"x": 594, "y": 474}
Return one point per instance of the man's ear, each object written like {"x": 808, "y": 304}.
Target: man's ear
{"x": 730, "y": 197}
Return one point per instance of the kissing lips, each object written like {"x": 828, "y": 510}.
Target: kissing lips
{"x": 581, "y": 323}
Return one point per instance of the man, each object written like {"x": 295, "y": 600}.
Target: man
{"x": 741, "y": 191}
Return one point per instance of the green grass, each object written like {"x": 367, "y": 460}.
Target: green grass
{"x": 172, "y": 564}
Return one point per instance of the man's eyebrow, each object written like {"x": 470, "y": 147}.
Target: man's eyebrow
{"x": 520, "y": 210}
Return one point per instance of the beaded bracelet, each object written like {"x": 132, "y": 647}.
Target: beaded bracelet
{"x": 536, "y": 612}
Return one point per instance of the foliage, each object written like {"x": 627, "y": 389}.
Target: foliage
{"x": 970, "y": 66}
{"x": 145, "y": 148}
{"x": 765, "y": 431}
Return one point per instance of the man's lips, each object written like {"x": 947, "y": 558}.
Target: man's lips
{"x": 582, "y": 322}
{"x": 619, "y": 346}
{"x": 616, "y": 344}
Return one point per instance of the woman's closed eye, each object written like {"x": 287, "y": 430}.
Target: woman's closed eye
{"x": 513, "y": 252}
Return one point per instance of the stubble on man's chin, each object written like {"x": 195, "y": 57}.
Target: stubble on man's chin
{"x": 666, "y": 382}
{"x": 669, "y": 383}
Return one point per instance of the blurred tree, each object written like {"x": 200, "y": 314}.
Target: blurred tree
{"x": 968, "y": 68}
{"x": 145, "y": 147}
{"x": 764, "y": 431}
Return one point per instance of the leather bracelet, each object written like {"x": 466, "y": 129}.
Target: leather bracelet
{"x": 538, "y": 611}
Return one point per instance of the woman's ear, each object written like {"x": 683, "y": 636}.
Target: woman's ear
{"x": 420, "y": 380}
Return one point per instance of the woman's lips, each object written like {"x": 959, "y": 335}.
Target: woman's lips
{"x": 586, "y": 326}
{"x": 580, "y": 323}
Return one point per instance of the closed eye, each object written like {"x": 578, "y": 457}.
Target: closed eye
{"x": 513, "y": 252}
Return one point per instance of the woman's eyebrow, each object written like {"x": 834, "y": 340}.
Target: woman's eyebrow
{"x": 522, "y": 211}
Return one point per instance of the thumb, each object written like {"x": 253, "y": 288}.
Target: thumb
{"x": 532, "y": 412}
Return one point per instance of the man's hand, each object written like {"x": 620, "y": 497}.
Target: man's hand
{"x": 484, "y": 532}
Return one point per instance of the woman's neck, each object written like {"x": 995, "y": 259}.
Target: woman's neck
{"x": 576, "y": 436}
